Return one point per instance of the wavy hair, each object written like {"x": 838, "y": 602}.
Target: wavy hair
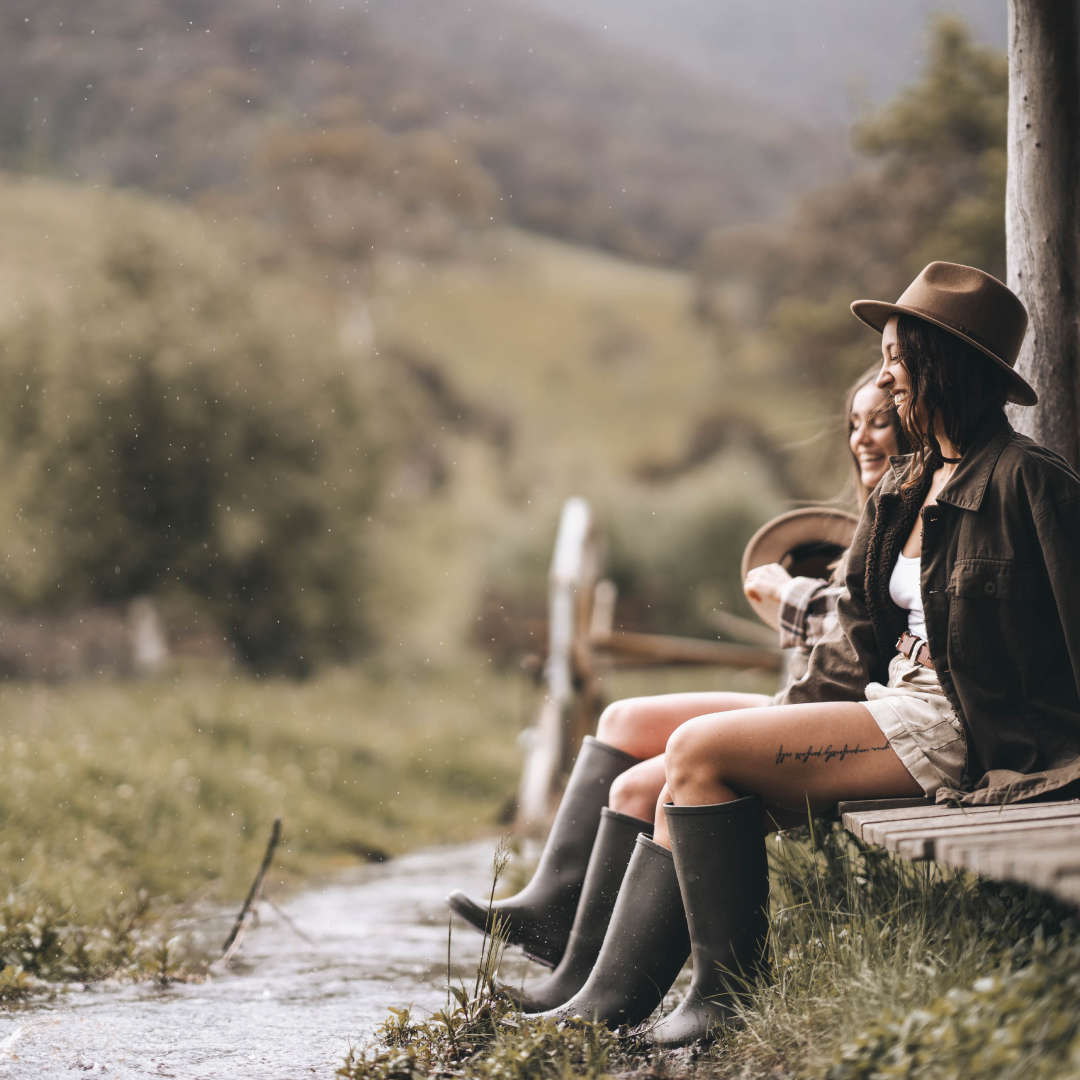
{"x": 951, "y": 381}
{"x": 868, "y": 378}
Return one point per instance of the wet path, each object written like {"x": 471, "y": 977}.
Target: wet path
{"x": 377, "y": 938}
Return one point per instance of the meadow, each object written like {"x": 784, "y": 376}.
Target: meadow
{"x": 120, "y": 800}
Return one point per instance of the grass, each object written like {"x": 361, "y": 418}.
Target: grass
{"x": 881, "y": 969}
{"x": 119, "y": 800}
{"x": 884, "y": 968}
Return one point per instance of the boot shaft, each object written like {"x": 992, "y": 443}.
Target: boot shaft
{"x": 723, "y": 868}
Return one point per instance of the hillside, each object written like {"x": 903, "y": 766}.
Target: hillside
{"x": 349, "y": 139}
{"x": 820, "y": 60}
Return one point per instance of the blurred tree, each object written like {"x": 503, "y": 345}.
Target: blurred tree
{"x": 178, "y": 432}
{"x": 936, "y": 190}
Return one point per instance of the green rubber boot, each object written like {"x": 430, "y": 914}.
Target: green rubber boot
{"x": 539, "y": 917}
{"x": 723, "y": 873}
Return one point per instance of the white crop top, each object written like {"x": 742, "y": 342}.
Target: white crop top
{"x": 906, "y": 591}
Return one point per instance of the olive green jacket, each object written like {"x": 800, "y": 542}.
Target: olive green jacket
{"x": 1001, "y": 593}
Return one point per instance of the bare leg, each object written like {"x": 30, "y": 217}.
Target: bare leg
{"x": 642, "y": 726}
{"x": 796, "y": 757}
{"x": 634, "y": 791}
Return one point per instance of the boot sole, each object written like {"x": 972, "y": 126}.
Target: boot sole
{"x": 476, "y": 917}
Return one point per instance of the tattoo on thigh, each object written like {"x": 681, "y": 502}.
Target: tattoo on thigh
{"x": 826, "y": 753}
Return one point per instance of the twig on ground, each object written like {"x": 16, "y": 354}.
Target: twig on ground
{"x": 177, "y": 911}
{"x": 232, "y": 942}
{"x": 289, "y": 922}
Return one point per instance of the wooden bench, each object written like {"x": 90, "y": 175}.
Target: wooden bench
{"x": 1034, "y": 843}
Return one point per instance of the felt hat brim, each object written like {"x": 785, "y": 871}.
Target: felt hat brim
{"x": 876, "y": 313}
{"x": 777, "y": 539}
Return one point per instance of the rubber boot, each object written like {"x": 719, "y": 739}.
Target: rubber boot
{"x": 540, "y": 916}
{"x": 724, "y": 877}
{"x": 607, "y": 866}
{"x": 644, "y": 949}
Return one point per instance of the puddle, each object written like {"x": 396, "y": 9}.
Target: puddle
{"x": 377, "y": 937}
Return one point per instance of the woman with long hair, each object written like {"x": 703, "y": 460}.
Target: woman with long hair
{"x": 952, "y": 672}
{"x": 561, "y": 915}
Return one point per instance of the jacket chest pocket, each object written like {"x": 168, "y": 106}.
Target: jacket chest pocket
{"x": 991, "y": 611}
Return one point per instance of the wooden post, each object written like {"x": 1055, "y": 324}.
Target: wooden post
{"x": 574, "y": 569}
{"x": 1042, "y": 216}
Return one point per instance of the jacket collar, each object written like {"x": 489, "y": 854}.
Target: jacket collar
{"x": 968, "y": 484}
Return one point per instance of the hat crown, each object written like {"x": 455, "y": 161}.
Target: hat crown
{"x": 973, "y": 303}
{"x": 969, "y": 303}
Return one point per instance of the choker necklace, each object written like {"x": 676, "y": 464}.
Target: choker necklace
{"x": 950, "y": 460}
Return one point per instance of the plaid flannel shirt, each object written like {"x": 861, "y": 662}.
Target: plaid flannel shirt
{"x": 807, "y": 611}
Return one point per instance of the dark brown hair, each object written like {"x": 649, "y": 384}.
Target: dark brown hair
{"x": 888, "y": 409}
{"x": 951, "y": 381}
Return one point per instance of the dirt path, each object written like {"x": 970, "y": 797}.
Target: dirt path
{"x": 378, "y": 938}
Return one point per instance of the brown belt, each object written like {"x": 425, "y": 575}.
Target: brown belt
{"x": 914, "y": 648}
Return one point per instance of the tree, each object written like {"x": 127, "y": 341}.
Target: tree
{"x": 933, "y": 188}
{"x": 187, "y": 427}
{"x": 1042, "y": 220}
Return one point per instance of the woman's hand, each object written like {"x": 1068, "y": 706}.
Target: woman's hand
{"x": 765, "y": 582}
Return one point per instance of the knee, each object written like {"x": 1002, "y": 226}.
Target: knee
{"x": 690, "y": 756}
{"x": 618, "y": 724}
{"x": 632, "y": 793}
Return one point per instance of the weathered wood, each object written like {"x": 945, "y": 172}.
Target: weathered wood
{"x": 925, "y": 846}
{"x": 745, "y": 630}
{"x": 857, "y": 806}
{"x": 663, "y": 649}
{"x": 1006, "y": 856}
{"x": 1042, "y": 217}
{"x": 892, "y": 834}
{"x": 1034, "y": 843}
{"x": 571, "y": 580}
{"x": 858, "y": 822}
{"x": 1053, "y": 864}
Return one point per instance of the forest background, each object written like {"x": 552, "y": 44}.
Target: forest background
{"x": 310, "y": 320}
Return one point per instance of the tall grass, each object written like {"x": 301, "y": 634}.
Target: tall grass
{"x": 880, "y": 969}
{"x": 885, "y": 968}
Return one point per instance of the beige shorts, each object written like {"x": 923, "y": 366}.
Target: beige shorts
{"x": 917, "y": 719}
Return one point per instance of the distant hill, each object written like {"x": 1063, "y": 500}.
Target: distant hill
{"x": 628, "y": 141}
{"x": 821, "y": 60}
{"x": 353, "y": 132}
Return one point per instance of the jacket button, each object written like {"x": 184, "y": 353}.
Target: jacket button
{"x": 990, "y": 588}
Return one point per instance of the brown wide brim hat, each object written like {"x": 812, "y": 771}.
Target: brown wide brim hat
{"x": 972, "y": 305}
{"x": 806, "y": 543}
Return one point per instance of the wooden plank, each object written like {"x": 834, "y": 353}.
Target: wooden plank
{"x": 891, "y": 831}
{"x": 862, "y": 806}
{"x": 896, "y": 834}
{"x": 1013, "y": 855}
{"x": 1056, "y": 869}
{"x": 859, "y": 822}
{"x": 668, "y": 649}
{"x": 1034, "y": 843}
{"x": 924, "y": 845}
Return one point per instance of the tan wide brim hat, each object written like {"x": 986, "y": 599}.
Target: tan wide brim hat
{"x": 969, "y": 303}
{"x": 804, "y": 542}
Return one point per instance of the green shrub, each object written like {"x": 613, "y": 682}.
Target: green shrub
{"x": 185, "y": 428}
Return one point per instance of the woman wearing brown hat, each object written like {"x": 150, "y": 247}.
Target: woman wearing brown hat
{"x": 561, "y": 915}
{"x": 953, "y": 670}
